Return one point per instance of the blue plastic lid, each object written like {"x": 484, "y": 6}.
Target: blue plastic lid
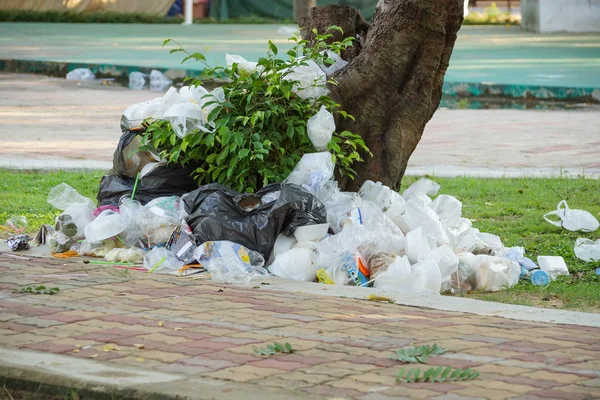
{"x": 539, "y": 278}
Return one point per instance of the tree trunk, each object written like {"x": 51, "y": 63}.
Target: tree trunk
{"x": 393, "y": 82}
{"x": 302, "y": 8}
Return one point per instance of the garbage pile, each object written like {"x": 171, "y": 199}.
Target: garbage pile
{"x": 304, "y": 228}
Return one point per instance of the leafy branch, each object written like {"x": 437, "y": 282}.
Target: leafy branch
{"x": 417, "y": 354}
{"x": 274, "y": 348}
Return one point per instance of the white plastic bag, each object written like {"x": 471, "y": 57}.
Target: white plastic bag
{"x": 320, "y": 128}
{"x": 311, "y": 80}
{"x": 185, "y": 117}
{"x": 396, "y": 277}
{"x": 158, "y": 81}
{"x": 63, "y": 196}
{"x": 243, "y": 64}
{"x": 445, "y": 259}
{"x": 297, "y": 264}
{"x": 312, "y": 171}
{"x": 448, "y": 208}
{"x": 162, "y": 261}
{"x": 230, "y": 262}
{"x": 338, "y": 63}
{"x": 424, "y": 217}
{"x": 81, "y": 74}
{"x": 495, "y": 273}
{"x": 587, "y": 250}
{"x": 573, "y": 220}
{"x": 421, "y": 187}
{"x": 384, "y": 197}
{"x": 137, "y": 80}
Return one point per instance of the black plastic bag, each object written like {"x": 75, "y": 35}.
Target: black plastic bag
{"x": 163, "y": 180}
{"x": 252, "y": 220}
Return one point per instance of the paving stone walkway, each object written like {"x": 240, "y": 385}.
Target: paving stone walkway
{"x": 200, "y": 328}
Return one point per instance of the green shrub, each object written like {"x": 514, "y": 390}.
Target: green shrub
{"x": 259, "y": 133}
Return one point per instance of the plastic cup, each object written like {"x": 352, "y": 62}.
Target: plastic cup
{"x": 296, "y": 264}
{"x": 427, "y": 275}
{"x": 539, "y": 278}
{"x": 108, "y": 224}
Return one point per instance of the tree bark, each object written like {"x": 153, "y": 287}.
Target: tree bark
{"x": 393, "y": 82}
{"x": 302, "y": 8}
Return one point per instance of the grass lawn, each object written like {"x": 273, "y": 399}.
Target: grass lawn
{"x": 509, "y": 208}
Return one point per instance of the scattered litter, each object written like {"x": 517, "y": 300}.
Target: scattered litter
{"x": 76, "y": 351}
{"x": 66, "y": 254}
{"x": 80, "y": 74}
{"x": 137, "y": 80}
{"x": 158, "y": 81}
{"x": 230, "y": 262}
{"x": 161, "y": 260}
{"x": 374, "y": 297}
{"x": 540, "y": 278}
{"x": 587, "y": 250}
{"x": 288, "y": 31}
{"x": 138, "y": 346}
{"x": 18, "y": 242}
{"x": 15, "y": 225}
{"x": 573, "y": 220}
{"x": 133, "y": 255}
{"x": 160, "y": 324}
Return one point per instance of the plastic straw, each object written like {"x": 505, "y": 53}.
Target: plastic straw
{"x": 121, "y": 240}
{"x": 162, "y": 260}
{"x": 137, "y": 179}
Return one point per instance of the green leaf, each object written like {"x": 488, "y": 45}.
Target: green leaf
{"x": 243, "y": 153}
{"x": 272, "y": 47}
{"x": 211, "y": 158}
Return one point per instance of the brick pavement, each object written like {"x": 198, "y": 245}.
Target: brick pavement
{"x": 203, "y": 329}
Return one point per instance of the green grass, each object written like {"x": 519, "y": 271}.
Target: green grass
{"x": 509, "y": 208}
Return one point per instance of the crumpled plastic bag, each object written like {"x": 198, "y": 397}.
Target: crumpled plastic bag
{"x": 587, "y": 250}
{"x": 219, "y": 213}
{"x": 573, "y": 220}
{"x": 320, "y": 129}
{"x": 106, "y": 225}
{"x": 312, "y": 171}
{"x": 338, "y": 63}
{"x": 421, "y": 187}
{"x": 427, "y": 219}
{"x": 230, "y": 262}
{"x": 495, "y": 273}
{"x": 243, "y": 64}
{"x": 298, "y": 264}
{"x": 445, "y": 259}
{"x": 162, "y": 261}
{"x": 90, "y": 249}
{"x": 448, "y": 208}
{"x": 81, "y": 74}
{"x": 311, "y": 80}
{"x": 78, "y": 211}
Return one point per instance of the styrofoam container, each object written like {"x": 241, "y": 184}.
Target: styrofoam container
{"x": 553, "y": 266}
{"x": 283, "y": 244}
{"x": 311, "y": 233}
{"x": 416, "y": 244}
{"x": 297, "y": 264}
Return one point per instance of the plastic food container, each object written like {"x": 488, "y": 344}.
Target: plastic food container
{"x": 106, "y": 225}
{"x": 553, "y": 266}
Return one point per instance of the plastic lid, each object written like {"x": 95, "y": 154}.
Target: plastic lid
{"x": 539, "y": 278}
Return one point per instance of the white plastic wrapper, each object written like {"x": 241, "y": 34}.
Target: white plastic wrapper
{"x": 573, "y": 220}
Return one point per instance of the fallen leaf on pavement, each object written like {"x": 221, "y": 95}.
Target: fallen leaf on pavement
{"x": 138, "y": 346}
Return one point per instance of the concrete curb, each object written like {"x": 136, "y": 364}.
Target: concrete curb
{"x": 54, "y": 374}
{"x": 461, "y": 89}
